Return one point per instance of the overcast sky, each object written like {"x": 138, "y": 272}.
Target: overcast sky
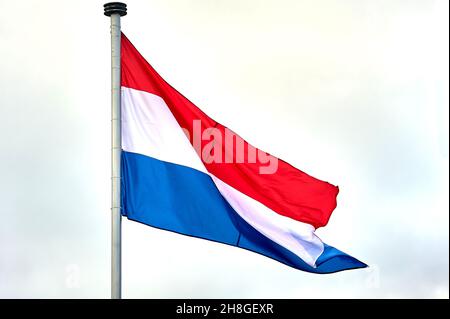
{"x": 353, "y": 92}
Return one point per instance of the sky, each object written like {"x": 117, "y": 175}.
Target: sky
{"x": 353, "y": 92}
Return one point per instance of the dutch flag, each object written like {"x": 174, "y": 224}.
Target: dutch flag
{"x": 184, "y": 172}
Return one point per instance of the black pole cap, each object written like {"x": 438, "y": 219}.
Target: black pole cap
{"x": 115, "y": 7}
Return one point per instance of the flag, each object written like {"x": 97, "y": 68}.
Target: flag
{"x": 184, "y": 172}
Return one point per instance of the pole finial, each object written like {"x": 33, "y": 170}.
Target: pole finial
{"x": 115, "y": 8}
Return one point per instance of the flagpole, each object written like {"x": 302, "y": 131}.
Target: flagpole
{"x": 115, "y": 10}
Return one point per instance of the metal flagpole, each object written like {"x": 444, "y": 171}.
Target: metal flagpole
{"x": 115, "y": 10}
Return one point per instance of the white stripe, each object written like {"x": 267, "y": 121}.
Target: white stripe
{"x": 293, "y": 235}
{"x": 149, "y": 128}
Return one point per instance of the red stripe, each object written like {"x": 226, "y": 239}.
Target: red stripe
{"x": 289, "y": 191}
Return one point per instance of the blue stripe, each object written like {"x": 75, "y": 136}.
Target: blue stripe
{"x": 186, "y": 201}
